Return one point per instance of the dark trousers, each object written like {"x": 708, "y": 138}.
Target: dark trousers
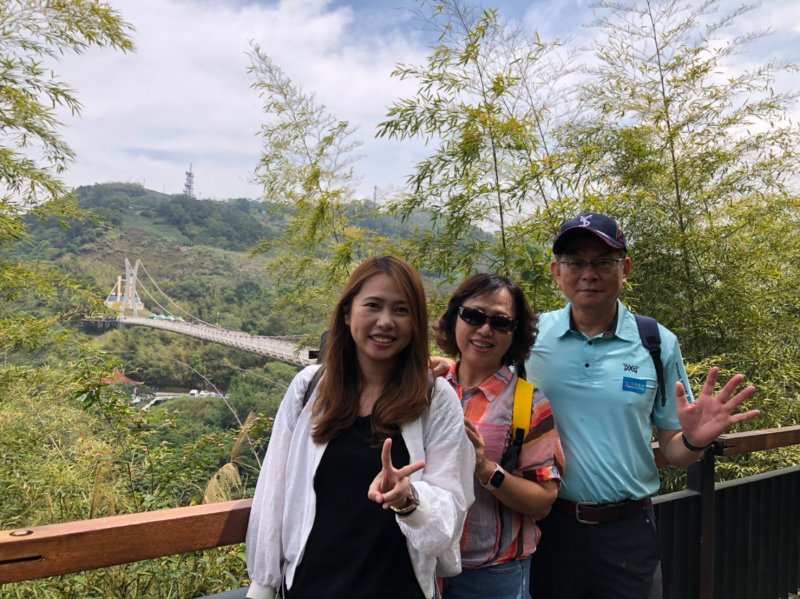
{"x": 616, "y": 560}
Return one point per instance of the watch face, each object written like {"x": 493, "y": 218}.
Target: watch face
{"x": 497, "y": 479}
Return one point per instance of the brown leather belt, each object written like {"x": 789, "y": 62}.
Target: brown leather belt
{"x": 590, "y": 513}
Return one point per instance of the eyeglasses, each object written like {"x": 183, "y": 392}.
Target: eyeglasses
{"x": 599, "y": 265}
{"x": 477, "y": 318}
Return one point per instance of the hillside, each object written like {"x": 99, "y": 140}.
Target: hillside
{"x": 200, "y": 253}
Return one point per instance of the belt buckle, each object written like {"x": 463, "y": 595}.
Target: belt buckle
{"x": 578, "y": 516}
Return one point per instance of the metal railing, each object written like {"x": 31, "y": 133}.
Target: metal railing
{"x": 734, "y": 539}
{"x": 738, "y": 539}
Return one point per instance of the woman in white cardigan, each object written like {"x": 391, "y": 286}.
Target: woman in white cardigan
{"x": 365, "y": 486}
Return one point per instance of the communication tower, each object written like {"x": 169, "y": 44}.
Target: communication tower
{"x": 188, "y": 186}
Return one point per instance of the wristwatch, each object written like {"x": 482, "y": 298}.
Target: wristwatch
{"x": 495, "y": 481}
{"x": 413, "y": 502}
{"x": 692, "y": 446}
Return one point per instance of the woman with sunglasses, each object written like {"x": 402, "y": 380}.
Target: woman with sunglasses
{"x": 490, "y": 328}
{"x": 365, "y": 485}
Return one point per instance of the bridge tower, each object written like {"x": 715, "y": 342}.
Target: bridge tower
{"x": 124, "y": 297}
{"x": 188, "y": 185}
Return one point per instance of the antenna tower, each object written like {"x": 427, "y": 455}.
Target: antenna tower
{"x": 188, "y": 186}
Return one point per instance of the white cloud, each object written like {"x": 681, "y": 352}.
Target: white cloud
{"x": 184, "y": 95}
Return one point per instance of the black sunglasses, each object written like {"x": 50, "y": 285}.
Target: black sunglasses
{"x": 477, "y": 318}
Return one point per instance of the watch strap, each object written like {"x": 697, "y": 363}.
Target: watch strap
{"x": 495, "y": 480}
{"x": 413, "y": 503}
{"x": 692, "y": 446}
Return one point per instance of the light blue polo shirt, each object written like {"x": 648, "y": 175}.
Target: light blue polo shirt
{"x": 603, "y": 391}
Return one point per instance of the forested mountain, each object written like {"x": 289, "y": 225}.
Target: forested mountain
{"x": 204, "y": 254}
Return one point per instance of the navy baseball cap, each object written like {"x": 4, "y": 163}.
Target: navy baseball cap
{"x": 601, "y": 226}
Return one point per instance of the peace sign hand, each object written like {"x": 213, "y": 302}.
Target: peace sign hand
{"x": 391, "y": 487}
{"x": 711, "y": 415}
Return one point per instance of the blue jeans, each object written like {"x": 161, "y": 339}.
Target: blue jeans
{"x": 504, "y": 581}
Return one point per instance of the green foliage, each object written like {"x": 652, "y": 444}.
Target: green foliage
{"x": 30, "y": 94}
{"x": 30, "y": 33}
{"x": 70, "y": 449}
{"x": 78, "y": 462}
{"x": 173, "y": 577}
{"x": 37, "y": 300}
{"x": 696, "y": 159}
{"x": 696, "y": 166}
{"x": 307, "y": 164}
{"x": 481, "y": 96}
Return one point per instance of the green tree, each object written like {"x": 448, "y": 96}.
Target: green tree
{"x": 698, "y": 165}
{"x": 307, "y": 164}
{"x": 32, "y": 32}
{"x": 485, "y": 95}
{"x": 695, "y": 155}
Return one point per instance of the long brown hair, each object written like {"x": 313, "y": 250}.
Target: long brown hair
{"x": 405, "y": 396}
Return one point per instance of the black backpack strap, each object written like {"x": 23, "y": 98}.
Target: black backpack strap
{"x": 312, "y": 384}
{"x": 651, "y": 339}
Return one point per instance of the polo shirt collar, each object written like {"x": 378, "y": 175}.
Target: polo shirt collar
{"x": 624, "y": 327}
{"x": 492, "y": 387}
{"x": 563, "y": 320}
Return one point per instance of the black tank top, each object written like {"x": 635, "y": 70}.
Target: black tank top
{"x": 355, "y": 549}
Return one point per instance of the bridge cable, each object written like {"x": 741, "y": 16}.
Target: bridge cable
{"x": 189, "y": 314}
{"x": 154, "y": 300}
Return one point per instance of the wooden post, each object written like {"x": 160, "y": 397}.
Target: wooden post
{"x": 701, "y": 480}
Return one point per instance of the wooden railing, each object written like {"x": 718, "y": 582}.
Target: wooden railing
{"x": 56, "y": 549}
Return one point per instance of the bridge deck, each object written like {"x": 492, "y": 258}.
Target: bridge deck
{"x": 278, "y": 348}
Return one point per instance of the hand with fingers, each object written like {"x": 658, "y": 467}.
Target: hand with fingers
{"x": 484, "y": 467}
{"x": 392, "y": 487}
{"x": 439, "y": 365}
{"x": 712, "y": 414}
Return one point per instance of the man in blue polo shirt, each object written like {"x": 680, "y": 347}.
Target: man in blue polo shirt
{"x": 600, "y": 540}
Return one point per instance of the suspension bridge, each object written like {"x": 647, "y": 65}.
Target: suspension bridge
{"x": 124, "y": 299}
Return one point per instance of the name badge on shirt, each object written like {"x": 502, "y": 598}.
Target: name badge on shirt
{"x": 635, "y": 385}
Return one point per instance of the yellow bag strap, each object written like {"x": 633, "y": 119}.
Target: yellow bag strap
{"x": 523, "y": 401}
{"x": 520, "y": 423}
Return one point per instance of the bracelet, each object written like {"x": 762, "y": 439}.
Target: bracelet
{"x": 691, "y": 447}
{"x": 413, "y": 502}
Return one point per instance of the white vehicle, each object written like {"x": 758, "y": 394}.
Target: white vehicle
{"x": 194, "y": 392}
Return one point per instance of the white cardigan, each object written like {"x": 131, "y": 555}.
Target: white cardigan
{"x": 284, "y": 505}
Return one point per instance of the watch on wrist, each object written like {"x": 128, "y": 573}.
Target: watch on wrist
{"x": 411, "y": 505}
{"x": 692, "y": 446}
{"x": 495, "y": 480}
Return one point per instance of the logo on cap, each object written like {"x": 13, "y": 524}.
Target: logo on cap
{"x": 602, "y": 226}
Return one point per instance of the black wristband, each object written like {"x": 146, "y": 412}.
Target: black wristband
{"x": 691, "y": 447}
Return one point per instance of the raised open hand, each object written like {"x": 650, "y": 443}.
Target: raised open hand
{"x": 711, "y": 415}
{"x": 391, "y": 487}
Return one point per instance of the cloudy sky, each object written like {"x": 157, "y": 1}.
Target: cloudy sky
{"x": 184, "y": 96}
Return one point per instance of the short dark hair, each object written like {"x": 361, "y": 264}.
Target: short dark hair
{"x": 481, "y": 284}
